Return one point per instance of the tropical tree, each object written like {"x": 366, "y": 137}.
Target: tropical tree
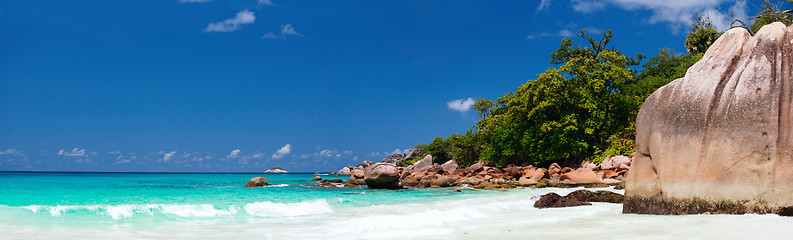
{"x": 771, "y": 12}
{"x": 567, "y": 113}
{"x": 701, "y": 35}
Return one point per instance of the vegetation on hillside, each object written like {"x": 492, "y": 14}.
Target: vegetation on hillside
{"x": 583, "y": 108}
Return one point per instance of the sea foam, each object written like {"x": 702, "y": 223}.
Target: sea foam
{"x": 271, "y": 209}
{"x": 261, "y": 209}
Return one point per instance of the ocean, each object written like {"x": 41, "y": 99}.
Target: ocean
{"x": 217, "y": 206}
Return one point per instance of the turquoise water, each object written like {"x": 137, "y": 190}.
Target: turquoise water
{"x": 217, "y": 206}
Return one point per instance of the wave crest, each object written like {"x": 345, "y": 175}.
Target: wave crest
{"x": 261, "y": 209}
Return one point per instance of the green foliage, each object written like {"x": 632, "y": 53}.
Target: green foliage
{"x": 620, "y": 143}
{"x": 658, "y": 71}
{"x": 701, "y": 36}
{"x": 463, "y": 148}
{"x": 769, "y": 13}
{"x": 276, "y": 168}
{"x": 567, "y": 112}
{"x": 584, "y": 108}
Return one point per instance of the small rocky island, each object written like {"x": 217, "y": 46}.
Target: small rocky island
{"x": 276, "y": 170}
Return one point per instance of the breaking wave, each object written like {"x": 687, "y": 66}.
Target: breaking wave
{"x": 261, "y": 209}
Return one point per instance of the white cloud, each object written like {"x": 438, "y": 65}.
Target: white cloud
{"x": 286, "y": 149}
{"x": 233, "y": 154}
{"x": 286, "y": 30}
{"x": 461, "y": 105}
{"x": 12, "y": 151}
{"x": 327, "y": 153}
{"x": 257, "y": 155}
{"x": 355, "y": 158}
{"x": 543, "y": 4}
{"x": 122, "y": 160}
{"x": 267, "y": 2}
{"x": 562, "y": 33}
{"x": 168, "y": 156}
{"x": 76, "y": 152}
{"x": 721, "y": 20}
{"x": 677, "y": 13}
{"x": 587, "y": 6}
{"x": 270, "y": 35}
{"x": 232, "y": 24}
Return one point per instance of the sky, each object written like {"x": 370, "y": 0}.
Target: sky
{"x": 247, "y": 85}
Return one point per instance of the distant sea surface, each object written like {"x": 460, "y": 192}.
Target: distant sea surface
{"x": 217, "y": 206}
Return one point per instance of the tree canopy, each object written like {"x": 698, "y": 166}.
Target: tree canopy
{"x": 582, "y": 108}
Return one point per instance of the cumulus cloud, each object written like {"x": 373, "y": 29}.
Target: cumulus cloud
{"x": 286, "y": 30}
{"x": 676, "y": 13}
{"x": 76, "y": 152}
{"x": 168, "y": 156}
{"x": 233, "y": 154}
{"x": 232, "y": 24}
{"x": 286, "y": 149}
{"x": 267, "y": 3}
{"x": 461, "y": 105}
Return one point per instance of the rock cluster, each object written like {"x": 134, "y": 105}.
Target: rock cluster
{"x": 424, "y": 173}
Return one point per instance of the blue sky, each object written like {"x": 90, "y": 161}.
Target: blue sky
{"x": 221, "y": 85}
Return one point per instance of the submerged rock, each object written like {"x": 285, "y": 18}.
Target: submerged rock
{"x": 330, "y": 182}
{"x": 720, "y": 139}
{"x": 257, "y": 182}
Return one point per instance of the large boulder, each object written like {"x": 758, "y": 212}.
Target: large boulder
{"x": 394, "y": 158}
{"x": 344, "y": 171}
{"x": 423, "y": 164}
{"x": 577, "y": 198}
{"x": 257, "y": 182}
{"x": 720, "y": 139}
{"x": 553, "y": 200}
{"x": 475, "y": 167}
{"x": 357, "y": 176}
{"x": 414, "y": 153}
{"x": 581, "y": 176}
{"x": 450, "y": 166}
{"x": 382, "y": 175}
{"x": 540, "y": 173}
